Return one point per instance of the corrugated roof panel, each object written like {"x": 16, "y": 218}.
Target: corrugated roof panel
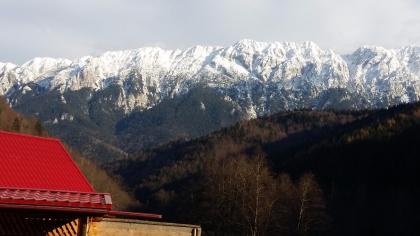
{"x": 38, "y": 163}
{"x": 54, "y": 198}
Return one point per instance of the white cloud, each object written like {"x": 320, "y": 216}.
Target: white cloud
{"x": 75, "y": 28}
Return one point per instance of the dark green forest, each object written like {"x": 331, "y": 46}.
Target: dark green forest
{"x": 293, "y": 173}
{"x": 296, "y": 173}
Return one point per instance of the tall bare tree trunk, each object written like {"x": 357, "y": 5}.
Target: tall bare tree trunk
{"x": 303, "y": 198}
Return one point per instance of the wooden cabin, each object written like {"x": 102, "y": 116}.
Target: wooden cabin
{"x": 43, "y": 192}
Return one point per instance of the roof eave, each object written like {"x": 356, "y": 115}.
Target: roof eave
{"x": 61, "y": 209}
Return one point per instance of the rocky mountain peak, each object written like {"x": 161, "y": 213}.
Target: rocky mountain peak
{"x": 253, "y": 74}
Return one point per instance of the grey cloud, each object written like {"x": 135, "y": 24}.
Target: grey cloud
{"x": 60, "y": 28}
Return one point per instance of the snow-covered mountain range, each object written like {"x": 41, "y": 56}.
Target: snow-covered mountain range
{"x": 258, "y": 77}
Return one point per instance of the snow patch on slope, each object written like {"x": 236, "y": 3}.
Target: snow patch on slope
{"x": 249, "y": 73}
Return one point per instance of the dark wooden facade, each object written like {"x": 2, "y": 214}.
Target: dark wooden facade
{"x": 22, "y": 223}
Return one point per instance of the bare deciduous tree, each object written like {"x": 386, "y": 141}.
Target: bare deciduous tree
{"x": 245, "y": 198}
{"x": 243, "y": 192}
{"x": 312, "y": 215}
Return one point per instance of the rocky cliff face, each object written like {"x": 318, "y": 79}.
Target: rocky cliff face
{"x": 250, "y": 78}
{"x": 260, "y": 77}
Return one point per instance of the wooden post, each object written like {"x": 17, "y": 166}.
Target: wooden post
{"x": 82, "y": 229}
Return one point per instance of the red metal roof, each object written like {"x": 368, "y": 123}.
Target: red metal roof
{"x": 38, "y": 163}
{"x": 21, "y": 198}
{"x": 37, "y": 173}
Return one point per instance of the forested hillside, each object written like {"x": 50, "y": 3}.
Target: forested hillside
{"x": 298, "y": 173}
{"x": 101, "y": 181}
{"x": 112, "y": 105}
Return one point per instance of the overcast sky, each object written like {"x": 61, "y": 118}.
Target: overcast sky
{"x": 74, "y": 28}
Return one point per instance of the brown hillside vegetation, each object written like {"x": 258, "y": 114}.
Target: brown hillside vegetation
{"x": 14, "y": 122}
{"x": 228, "y": 175}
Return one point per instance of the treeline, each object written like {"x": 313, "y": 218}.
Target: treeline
{"x": 182, "y": 179}
{"x": 242, "y": 196}
{"x": 364, "y": 166}
{"x": 237, "y": 194}
{"x": 369, "y": 172}
{"x": 233, "y": 191}
{"x": 14, "y": 122}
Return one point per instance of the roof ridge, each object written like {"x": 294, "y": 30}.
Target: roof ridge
{"x": 53, "y": 190}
